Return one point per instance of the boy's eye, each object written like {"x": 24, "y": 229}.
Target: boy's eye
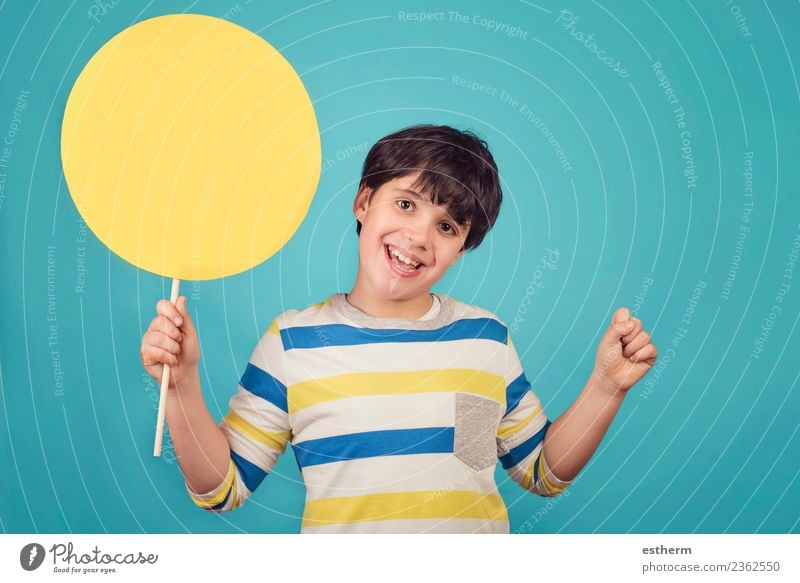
{"x": 450, "y": 229}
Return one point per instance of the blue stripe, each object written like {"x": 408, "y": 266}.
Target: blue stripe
{"x": 536, "y": 469}
{"x": 251, "y": 473}
{"x": 515, "y": 392}
{"x": 516, "y": 455}
{"x": 374, "y": 443}
{"x": 342, "y": 335}
{"x": 221, "y": 504}
{"x": 266, "y": 386}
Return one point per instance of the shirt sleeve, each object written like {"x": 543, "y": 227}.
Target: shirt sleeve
{"x": 256, "y": 426}
{"x": 520, "y": 435}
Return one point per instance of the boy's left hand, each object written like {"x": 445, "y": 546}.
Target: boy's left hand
{"x": 625, "y": 353}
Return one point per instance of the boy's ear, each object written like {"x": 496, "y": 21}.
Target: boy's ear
{"x": 361, "y": 203}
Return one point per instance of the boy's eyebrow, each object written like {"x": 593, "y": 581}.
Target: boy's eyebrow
{"x": 415, "y": 194}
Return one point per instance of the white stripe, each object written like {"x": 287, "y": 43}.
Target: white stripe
{"x": 268, "y": 356}
{"x": 512, "y": 364}
{"x": 384, "y": 357}
{"x": 525, "y": 407}
{"x": 253, "y": 451}
{"x": 372, "y": 413}
{"x": 263, "y": 415}
{"x": 414, "y": 526}
{"x": 257, "y": 411}
{"x": 517, "y": 472}
{"x": 551, "y": 477}
{"x": 441, "y": 472}
{"x": 534, "y": 426}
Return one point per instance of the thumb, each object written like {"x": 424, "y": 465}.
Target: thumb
{"x": 621, "y": 325}
{"x": 621, "y": 315}
{"x": 187, "y": 327}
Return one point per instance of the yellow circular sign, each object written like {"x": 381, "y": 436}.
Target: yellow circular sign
{"x": 190, "y": 147}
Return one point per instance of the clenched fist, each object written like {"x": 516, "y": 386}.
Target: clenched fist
{"x": 625, "y": 353}
{"x": 171, "y": 339}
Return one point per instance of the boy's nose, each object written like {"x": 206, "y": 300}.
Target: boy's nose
{"x": 417, "y": 232}
{"x": 416, "y": 240}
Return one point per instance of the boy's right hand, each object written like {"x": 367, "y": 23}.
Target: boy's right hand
{"x": 171, "y": 339}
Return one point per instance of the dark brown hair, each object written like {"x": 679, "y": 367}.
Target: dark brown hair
{"x": 457, "y": 171}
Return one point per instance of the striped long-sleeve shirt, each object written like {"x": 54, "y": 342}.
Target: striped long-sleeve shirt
{"x": 396, "y": 424}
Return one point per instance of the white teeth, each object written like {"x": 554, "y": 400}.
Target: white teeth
{"x": 402, "y": 257}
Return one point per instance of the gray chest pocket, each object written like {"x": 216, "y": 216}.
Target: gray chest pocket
{"x": 476, "y": 421}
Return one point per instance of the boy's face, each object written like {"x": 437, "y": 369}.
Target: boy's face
{"x": 397, "y": 217}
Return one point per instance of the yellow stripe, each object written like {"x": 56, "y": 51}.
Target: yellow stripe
{"x": 464, "y": 380}
{"x": 399, "y": 505}
{"x": 509, "y": 431}
{"x": 273, "y": 328}
{"x": 233, "y": 493}
{"x": 222, "y": 493}
{"x": 526, "y": 480}
{"x": 543, "y": 475}
{"x": 540, "y": 461}
{"x": 271, "y": 439}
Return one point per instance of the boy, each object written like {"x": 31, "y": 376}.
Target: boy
{"x": 398, "y": 402}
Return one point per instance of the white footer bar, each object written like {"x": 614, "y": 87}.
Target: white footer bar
{"x": 388, "y": 558}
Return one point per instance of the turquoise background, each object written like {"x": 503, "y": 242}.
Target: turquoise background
{"x": 706, "y": 443}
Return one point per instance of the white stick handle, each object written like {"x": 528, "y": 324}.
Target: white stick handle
{"x": 162, "y": 400}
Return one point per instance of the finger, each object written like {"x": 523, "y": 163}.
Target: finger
{"x": 154, "y": 355}
{"x": 637, "y": 326}
{"x": 164, "y": 324}
{"x": 621, "y": 315}
{"x": 166, "y": 308}
{"x": 161, "y": 340}
{"x": 641, "y": 340}
{"x": 183, "y": 311}
{"x": 615, "y": 333}
{"x": 636, "y": 329}
{"x": 645, "y": 354}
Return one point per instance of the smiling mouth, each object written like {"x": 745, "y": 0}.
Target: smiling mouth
{"x": 399, "y": 265}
